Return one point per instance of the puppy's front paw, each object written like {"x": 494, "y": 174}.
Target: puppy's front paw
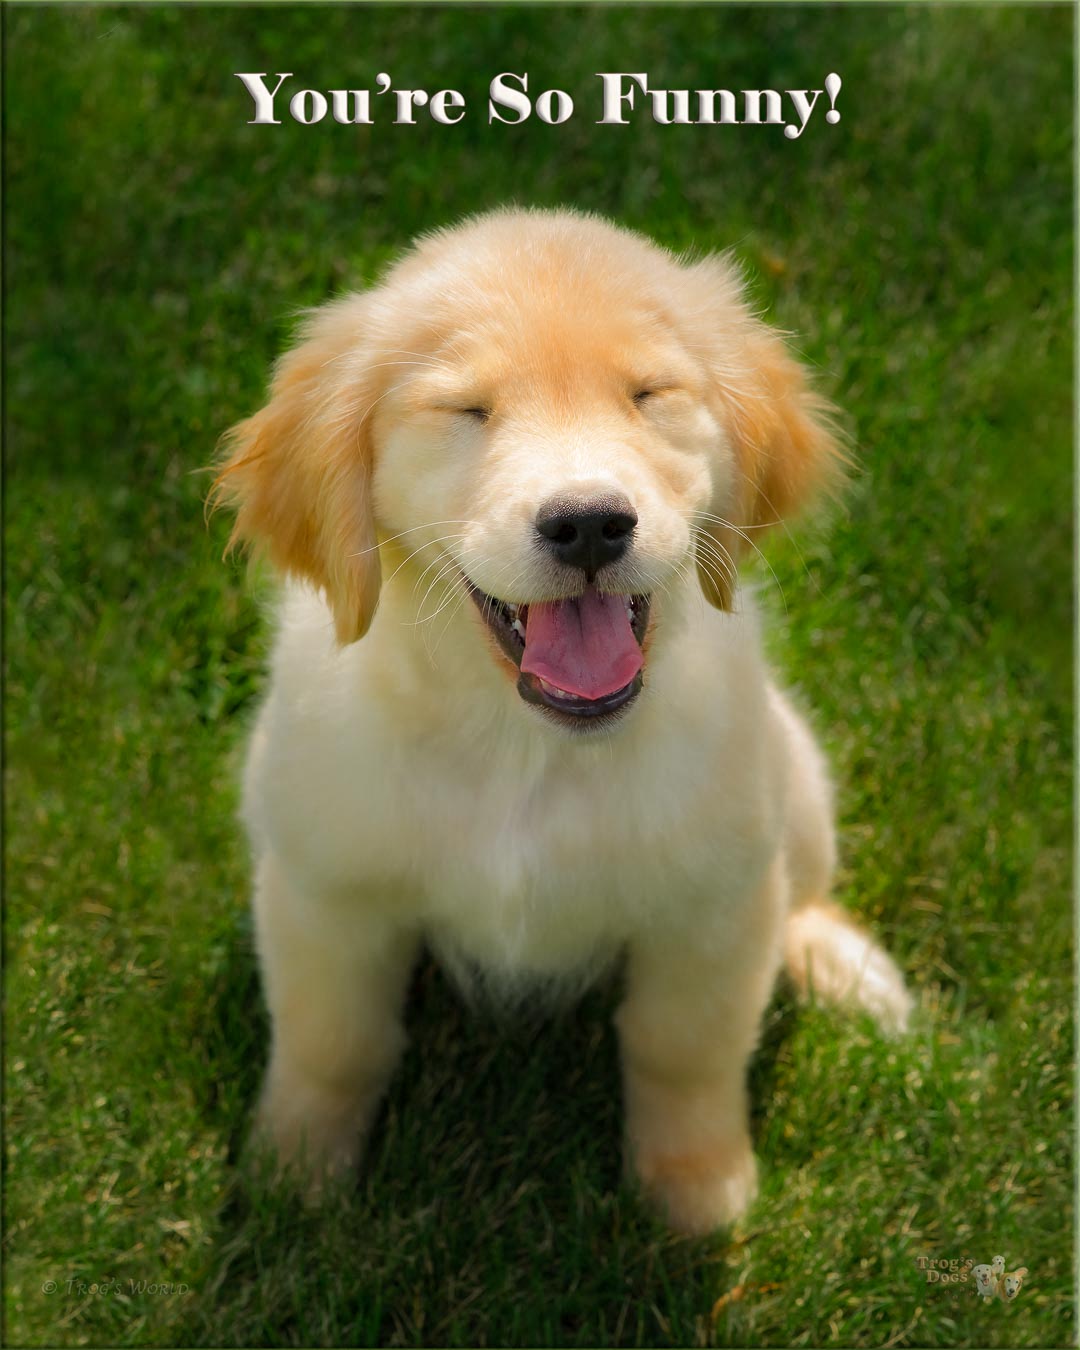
{"x": 702, "y": 1190}
{"x": 309, "y": 1136}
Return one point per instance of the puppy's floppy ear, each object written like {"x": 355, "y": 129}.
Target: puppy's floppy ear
{"x": 298, "y": 473}
{"x": 783, "y": 434}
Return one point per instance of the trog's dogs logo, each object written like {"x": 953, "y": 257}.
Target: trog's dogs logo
{"x": 991, "y": 1282}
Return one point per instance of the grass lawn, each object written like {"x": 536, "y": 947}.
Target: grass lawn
{"x": 921, "y": 250}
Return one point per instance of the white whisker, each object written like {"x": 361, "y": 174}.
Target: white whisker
{"x": 439, "y": 539}
{"x": 730, "y": 525}
{"x": 428, "y": 525}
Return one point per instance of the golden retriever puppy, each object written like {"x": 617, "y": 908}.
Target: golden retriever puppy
{"x": 518, "y": 708}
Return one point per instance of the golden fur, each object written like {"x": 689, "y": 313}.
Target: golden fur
{"x": 399, "y": 790}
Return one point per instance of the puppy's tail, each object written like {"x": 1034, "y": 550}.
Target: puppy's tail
{"x": 829, "y": 957}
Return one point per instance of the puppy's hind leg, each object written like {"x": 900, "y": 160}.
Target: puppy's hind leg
{"x": 335, "y": 978}
{"x": 826, "y": 953}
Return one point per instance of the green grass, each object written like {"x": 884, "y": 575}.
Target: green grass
{"x": 921, "y": 251}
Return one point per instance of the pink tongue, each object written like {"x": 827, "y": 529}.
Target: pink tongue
{"x": 584, "y": 646}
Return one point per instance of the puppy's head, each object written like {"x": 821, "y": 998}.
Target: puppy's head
{"x": 549, "y": 415}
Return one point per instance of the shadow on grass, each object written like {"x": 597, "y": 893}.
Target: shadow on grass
{"x": 491, "y": 1207}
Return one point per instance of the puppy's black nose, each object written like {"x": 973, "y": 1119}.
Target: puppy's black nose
{"x": 587, "y": 533}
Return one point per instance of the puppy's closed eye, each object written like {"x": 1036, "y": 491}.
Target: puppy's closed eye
{"x": 473, "y": 412}
{"x": 666, "y": 393}
{"x": 651, "y": 391}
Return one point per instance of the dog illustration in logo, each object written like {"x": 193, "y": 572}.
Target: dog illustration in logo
{"x": 991, "y": 1282}
{"x": 984, "y": 1282}
{"x": 1011, "y": 1284}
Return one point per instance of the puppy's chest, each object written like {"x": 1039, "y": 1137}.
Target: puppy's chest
{"x": 505, "y": 842}
{"x": 544, "y": 874}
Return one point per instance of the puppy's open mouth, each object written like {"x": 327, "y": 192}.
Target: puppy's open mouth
{"x": 580, "y": 657}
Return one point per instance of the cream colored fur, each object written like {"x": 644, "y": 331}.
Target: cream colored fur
{"x": 398, "y": 790}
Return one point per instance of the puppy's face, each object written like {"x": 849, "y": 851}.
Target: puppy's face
{"x": 565, "y": 452}
{"x": 549, "y": 415}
